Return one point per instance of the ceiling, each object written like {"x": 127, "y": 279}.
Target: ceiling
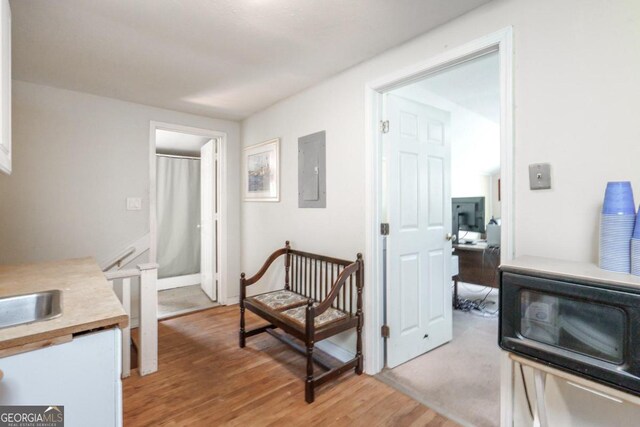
{"x": 179, "y": 144}
{"x": 474, "y": 85}
{"x": 218, "y": 58}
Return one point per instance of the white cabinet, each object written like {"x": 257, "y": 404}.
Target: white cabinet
{"x": 82, "y": 375}
{"x": 570, "y": 403}
{"x": 5, "y": 87}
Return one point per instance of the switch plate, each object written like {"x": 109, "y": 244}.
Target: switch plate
{"x": 540, "y": 176}
{"x": 134, "y": 203}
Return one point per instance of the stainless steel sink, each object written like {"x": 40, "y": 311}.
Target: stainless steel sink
{"x": 29, "y": 308}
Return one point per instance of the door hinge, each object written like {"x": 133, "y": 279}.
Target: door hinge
{"x": 385, "y": 331}
{"x": 384, "y": 229}
{"x": 384, "y": 126}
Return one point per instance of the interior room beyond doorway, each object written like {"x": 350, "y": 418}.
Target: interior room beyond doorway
{"x": 455, "y": 114}
{"x": 186, "y": 206}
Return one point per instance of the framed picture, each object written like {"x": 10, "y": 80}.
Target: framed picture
{"x": 262, "y": 172}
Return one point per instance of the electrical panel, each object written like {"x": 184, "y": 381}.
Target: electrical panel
{"x": 312, "y": 183}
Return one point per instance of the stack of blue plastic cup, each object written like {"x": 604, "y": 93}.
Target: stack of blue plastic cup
{"x": 635, "y": 247}
{"x": 616, "y": 227}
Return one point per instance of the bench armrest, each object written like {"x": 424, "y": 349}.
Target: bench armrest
{"x": 244, "y": 282}
{"x": 253, "y": 279}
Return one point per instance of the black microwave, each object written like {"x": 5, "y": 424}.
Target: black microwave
{"x": 588, "y": 329}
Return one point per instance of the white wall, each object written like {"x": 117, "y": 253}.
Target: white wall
{"x": 76, "y": 158}
{"x": 576, "y": 90}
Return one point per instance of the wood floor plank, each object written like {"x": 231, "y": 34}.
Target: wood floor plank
{"x": 204, "y": 379}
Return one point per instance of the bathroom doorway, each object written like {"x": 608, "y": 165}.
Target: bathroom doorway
{"x": 186, "y": 218}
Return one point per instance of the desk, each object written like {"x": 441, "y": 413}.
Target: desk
{"x": 478, "y": 264}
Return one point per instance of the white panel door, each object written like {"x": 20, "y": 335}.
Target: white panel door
{"x": 208, "y": 219}
{"x": 418, "y": 159}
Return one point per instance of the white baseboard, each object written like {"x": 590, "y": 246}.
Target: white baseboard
{"x": 178, "y": 281}
{"x": 232, "y": 300}
{"x": 335, "y": 350}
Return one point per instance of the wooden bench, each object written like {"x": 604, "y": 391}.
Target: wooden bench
{"x": 322, "y": 297}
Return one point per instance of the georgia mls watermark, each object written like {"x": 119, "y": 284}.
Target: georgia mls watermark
{"x": 31, "y": 416}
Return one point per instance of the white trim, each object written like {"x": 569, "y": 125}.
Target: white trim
{"x": 232, "y": 300}
{"x": 222, "y": 249}
{"x": 503, "y": 42}
{"x": 5, "y": 88}
{"x": 179, "y": 281}
{"x": 221, "y": 217}
{"x": 176, "y": 156}
{"x": 333, "y": 349}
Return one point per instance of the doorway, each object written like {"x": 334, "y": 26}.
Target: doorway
{"x": 425, "y": 114}
{"x": 443, "y": 158}
{"x": 186, "y": 217}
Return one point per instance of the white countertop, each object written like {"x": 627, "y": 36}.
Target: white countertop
{"x": 88, "y": 301}
{"x": 584, "y": 271}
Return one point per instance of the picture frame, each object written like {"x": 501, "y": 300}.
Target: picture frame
{"x": 262, "y": 172}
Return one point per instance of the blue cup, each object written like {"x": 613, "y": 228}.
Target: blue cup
{"x": 618, "y": 199}
{"x": 636, "y": 230}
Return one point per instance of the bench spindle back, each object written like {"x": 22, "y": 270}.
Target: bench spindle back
{"x": 313, "y": 275}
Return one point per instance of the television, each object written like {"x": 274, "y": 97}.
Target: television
{"x": 467, "y": 215}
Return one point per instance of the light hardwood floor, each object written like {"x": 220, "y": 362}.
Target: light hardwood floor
{"x": 204, "y": 379}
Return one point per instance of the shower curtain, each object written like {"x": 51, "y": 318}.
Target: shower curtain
{"x": 178, "y": 212}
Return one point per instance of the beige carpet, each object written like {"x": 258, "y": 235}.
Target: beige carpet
{"x": 461, "y": 379}
{"x": 187, "y": 299}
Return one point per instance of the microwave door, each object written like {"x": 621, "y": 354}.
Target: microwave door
{"x": 586, "y": 329}
{"x": 540, "y": 319}
{"x": 594, "y": 341}
{"x": 572, "y": 324}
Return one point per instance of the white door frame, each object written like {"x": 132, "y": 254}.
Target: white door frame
{"x": 222, "y": 185}
{"x": 501, "y": 41}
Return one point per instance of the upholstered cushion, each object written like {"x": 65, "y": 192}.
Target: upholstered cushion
{"x": 299, "y": 315}
{"x": 280, "y": 300}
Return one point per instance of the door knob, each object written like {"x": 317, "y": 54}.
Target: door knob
{"x": 449, "y": 236}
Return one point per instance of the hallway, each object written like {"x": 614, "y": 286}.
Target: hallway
{"x": 205, "y": 379}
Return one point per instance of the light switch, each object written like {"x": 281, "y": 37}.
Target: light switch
{"x": 134, "y": 203}
{"x": 540, "y": 176}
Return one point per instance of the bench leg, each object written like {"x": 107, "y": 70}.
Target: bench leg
{"x": 241, "y": 336}
{"x": 308, "y": 386}
{"x": 360, "y": 365}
